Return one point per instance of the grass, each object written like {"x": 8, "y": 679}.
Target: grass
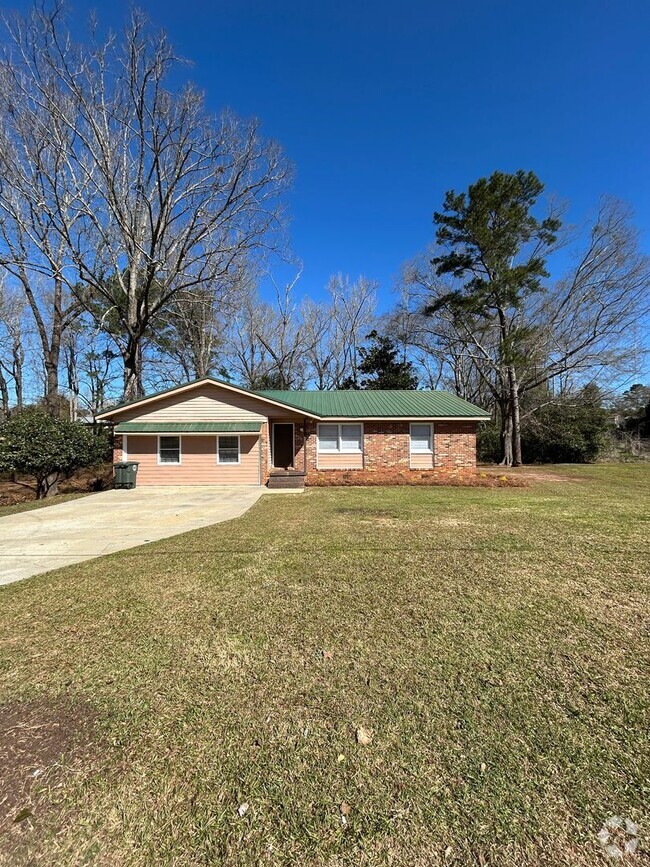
{"x": 28, "y": 505}
{"x": 495, "y": 643}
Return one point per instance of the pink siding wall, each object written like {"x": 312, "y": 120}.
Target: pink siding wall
{"x": 340, "y": 462}
{"x": 421, "y": 461}
{"x": 198, "y": 462}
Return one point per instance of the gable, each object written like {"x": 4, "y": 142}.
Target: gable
{"x": 206, "y": 402}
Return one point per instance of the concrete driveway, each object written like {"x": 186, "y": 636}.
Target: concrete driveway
{"x": 54, "y": 536}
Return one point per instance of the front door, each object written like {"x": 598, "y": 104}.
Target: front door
{"x": 283, "y": 446}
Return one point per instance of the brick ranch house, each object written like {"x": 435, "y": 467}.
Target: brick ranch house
{"x": 210, "y": 432}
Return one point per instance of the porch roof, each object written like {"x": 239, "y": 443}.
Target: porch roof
{"x": 195, "y": 427}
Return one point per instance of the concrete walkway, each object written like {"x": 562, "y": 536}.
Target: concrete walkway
{"x": 53, "y": 536}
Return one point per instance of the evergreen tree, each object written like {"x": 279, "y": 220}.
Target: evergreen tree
{"x": 380, "y": 362}
{"x": 495, "y": 248}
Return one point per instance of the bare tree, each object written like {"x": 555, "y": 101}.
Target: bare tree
{"x": 189, "y": 339}
{"x": 12, "y": 350}
{"x": 266, "y": 339}
{"x": 586, "y": 325}
{"x": 166, "y": 199}
{"x": 282, "y": 335}
{"x": 334, "y": 330}
{"x": 34, "y": 186}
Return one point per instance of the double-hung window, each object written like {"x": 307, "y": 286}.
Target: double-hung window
{"x": 340, "y": 438}
{"x": 228, "y": 450}
{"x": 169, "y": 450}
{"x": 421, "y": 439}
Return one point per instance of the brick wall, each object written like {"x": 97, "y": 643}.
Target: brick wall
{"x": 454, "y": 444}
{"x": 117, "y": 448}
{"x": 265, "y": 451}
{"x": 386, "y": 446}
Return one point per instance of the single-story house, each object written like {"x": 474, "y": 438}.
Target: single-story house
{"x": 210, "y": 432}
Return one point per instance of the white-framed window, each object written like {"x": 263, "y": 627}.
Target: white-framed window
{"x": 228, "y": 450}
{"x": 342, "y": 439}
{"x": 169, "y": 450}
{"x": 421, "y": 438}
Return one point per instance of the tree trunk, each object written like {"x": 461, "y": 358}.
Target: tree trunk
{"x": 17, "y": 362}
{"x": 4, "y": 398}
{"x": 506, "y": 435}
{"x": 51, "y": 485}
{"x": 133, "y": 369}
{"x": 51, "y": 363}
{"x": 516, "y": 421}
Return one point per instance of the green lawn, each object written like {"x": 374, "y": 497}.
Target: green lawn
{"x": 495, "y": 642}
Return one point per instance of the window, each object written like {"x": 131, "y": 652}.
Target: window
{"x": 328, "y": 438}
{"x": 169, "y": 450}
{"x": 340, "y": 438}
{"x": 421, "y": 442}
{"x": 227, "y": 450}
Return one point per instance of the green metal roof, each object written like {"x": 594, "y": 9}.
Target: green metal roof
{"x": 378, "y": 404}
{"x": 127, "y": 427}
{"x": 326, "y": 404}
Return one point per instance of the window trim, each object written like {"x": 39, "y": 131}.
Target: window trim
{"x": 428, "y": 451}
{"x": 339, "y": 437}
{"x": 177, "y": 463}
{"x": 229, "y": 463}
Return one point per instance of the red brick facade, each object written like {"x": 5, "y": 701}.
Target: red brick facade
{"x": 118, "y": 454}
{"x": 386, "y": 445}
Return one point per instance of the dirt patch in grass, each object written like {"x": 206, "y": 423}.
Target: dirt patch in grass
{"x": 532, "y": 473}
{"x": 36, "y": 737}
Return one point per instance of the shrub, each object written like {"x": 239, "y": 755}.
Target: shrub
{"x": 488, "y": 443}
{"x": 48, "y": 449}
{"x": 565, "y": 433}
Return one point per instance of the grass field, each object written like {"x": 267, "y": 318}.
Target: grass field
{"x": 493, "y": 643}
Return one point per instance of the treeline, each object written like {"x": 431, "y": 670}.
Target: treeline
{"x": 136, "y": 232}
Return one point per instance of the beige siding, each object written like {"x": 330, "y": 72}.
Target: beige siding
{"x": 198, "y": 462}
{"x": 421, "y": 461}
{"x": 340, "y": 462}
{"x": 204, "y": 403}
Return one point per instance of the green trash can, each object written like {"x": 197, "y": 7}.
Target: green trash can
{"x": 125, "y": 474}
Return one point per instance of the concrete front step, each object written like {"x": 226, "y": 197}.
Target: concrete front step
{"x": 286, "y": 480}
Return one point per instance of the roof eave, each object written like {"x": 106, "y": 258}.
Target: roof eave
{"x": 327, "y": 418}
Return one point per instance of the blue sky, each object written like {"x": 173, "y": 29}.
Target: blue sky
{"x": 384, "y": 106}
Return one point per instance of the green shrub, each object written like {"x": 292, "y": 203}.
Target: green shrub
{"x": 564, "y": 433}
{"x": 48, "y": 449}
{"x": 488, "y": 443}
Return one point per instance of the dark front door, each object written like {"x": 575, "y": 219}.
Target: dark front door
{"x": 283, "y": 445}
